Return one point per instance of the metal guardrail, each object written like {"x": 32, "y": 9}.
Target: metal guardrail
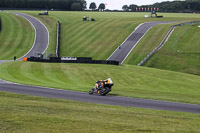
{"x": 58, "y": 40}
{"x": 164, "y": 41}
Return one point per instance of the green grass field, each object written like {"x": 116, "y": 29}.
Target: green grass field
{"x": 16, "y": 37}
{"x": 171, "y": 86}
{"x": 20, "y": 113}
{"x": 180, "y": 54}
{"x": 130, "y": 81}
{"x": 149, "y": 42}
{"x": 98, "y": 39}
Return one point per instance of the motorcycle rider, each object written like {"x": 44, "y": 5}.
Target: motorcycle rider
{"x": 100, "y": 84}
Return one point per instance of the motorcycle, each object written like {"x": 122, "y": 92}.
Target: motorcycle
{"x": 102, "y": 87}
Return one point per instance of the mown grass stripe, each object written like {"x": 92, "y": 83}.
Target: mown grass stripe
{"x": 24, "y": 113}
{"x": 88, "y": 45}
{"x": 82, "y": 41}
{"x": 129, "y": 81}
{"x": 172, "y": 56}
{"x": 150, "y": 41}
{"x": 72, "y": 20}
{"x": 14, "y": 40}
{"x": 5, "y": 35}
{"x": 88, "y": 31}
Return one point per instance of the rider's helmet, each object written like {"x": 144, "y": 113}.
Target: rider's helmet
{"x": 109, "y": 80}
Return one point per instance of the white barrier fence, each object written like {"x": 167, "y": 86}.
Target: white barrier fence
{"x": 58, "y": 40}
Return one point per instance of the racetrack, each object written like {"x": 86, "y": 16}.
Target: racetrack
{"x": 110, "y": 100}
{"x": 41, "y": 36}
{"x": 122, "y": 52}
{"x": 40, "y": 45}
{"x": 41, "y": 41}
{"x": 4, "y": 61}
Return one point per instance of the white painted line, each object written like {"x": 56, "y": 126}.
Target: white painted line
{"x": 34, "y": 39}
{"x": 47, "y": 31}
{"x": 135, "y": 45}
{"x": 126, "y": 39}
{"x": 35, "y": 34}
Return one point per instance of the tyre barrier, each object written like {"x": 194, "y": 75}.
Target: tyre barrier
{"x": 85, "y": 60}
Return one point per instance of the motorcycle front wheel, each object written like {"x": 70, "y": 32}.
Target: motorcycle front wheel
{"x": 91, "y": 91}
{"x": 105, "y": 91}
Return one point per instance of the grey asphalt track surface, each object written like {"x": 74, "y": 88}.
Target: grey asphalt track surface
{"x": 110, "y": 100}
{"x": 41, "y": 36}
{"x": 4, "y": 61}
{"x": 41, "y": 41}
{"x": 121, "y": 53}
{"x": 40, "y": 45}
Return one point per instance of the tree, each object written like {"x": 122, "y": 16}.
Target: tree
{"x": 76, "y": 7}
{"x": 102, "y": 7}
{"x": 84, "y": 4}
{"x": 133, "y": 7}
{"x": 44, "y": 4}
{"x": 125, "y": 7}
{"x": 93, "y": 6}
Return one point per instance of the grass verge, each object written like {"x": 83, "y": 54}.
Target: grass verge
{"x": 97, "y": 39}
{"x": 130, "y": 81}
{"x": 148, "y": 43}
{"x": 16, "y": 37}
{"x": 180, "y": 53}
{"x": 20, "y": 113}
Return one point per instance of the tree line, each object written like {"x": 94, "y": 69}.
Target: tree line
{"x": 69, "y": 5}
{"x": 168, "y": 6}
{"x": 94, "y": 7}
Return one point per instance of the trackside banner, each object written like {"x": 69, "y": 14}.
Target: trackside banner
{"x": 68, "y": 58}
{"x": 87, "y": 60}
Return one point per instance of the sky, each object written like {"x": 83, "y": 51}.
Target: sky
{"x": 117, "y": 4}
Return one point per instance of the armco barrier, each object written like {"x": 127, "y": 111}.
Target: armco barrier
{"x": 58, "y": 40}
{"x": 84, "y": 60}
{"x": 164, "y": 41}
